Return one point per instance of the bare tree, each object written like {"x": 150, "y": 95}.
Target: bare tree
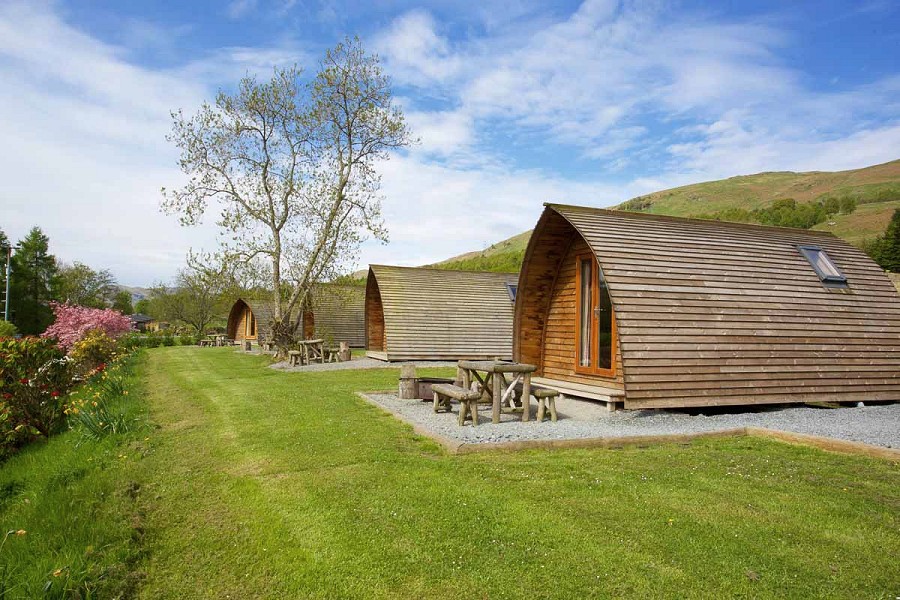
{"x": 292, "y": 167}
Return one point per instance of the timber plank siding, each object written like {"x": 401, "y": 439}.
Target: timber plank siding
{"x": 339, "y": 314}
{"x": 710, "y": 313}
{"x": 434, "y": 314}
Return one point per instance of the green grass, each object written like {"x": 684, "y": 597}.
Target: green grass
{"x": 259, "y": 483}
{"x": 76, "y": 500}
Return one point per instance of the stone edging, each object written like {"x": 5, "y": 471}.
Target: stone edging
{"x": 823, "y": 443}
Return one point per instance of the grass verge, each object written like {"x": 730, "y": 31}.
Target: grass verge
{"x": 284, "y": 485}
{"x": 73, "y": 502}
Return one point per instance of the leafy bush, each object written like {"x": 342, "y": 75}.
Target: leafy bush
{"x": 95, "y": 409}
{"x": 187, "y": 340}
{"x": 94, "y": 349}
{"x": 7, "y": 329}
{"x": 168, "y": 340}
{"x": 34, "y": 378}
{"x": 74, "y": 322}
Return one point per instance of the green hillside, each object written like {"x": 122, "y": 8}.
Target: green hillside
{"x": 869, "y": 197}
{"x": 855, "y": 205}
{"x": 502, "y": 257}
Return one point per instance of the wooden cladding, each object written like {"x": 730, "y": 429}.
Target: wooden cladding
{"x": 711, "y": 313}
{"x": 434, "y": 314}
{"x": 338, "y": 314}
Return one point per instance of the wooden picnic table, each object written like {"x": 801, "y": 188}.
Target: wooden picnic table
{"x": 312, "y": 350}
{"x": 496, "y": 387}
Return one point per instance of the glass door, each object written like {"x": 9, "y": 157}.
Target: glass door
{"x": 595, "y": 325}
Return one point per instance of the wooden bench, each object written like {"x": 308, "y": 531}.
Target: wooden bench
{"x": 468, "y": 400}
{"x": 268, "y": 346}
{"x": 546, "y": 398}
{"x": 295, "y": 358}
{"x": 332, "y": 354}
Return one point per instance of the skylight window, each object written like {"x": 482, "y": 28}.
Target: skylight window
{"x": 824, "y": 266}
{"x": 511, "y": 289}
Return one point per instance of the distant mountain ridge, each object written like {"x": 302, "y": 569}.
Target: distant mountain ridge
{"x": 875, "y": 190}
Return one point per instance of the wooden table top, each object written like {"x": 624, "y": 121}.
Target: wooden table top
{"x": 308, "y": 342}
{"x": 497, "y": 366}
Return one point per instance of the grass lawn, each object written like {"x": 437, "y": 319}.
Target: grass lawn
{"x": 259, "y": 483}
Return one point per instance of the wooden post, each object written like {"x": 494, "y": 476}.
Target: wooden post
{"x": 526, "y": 397}
{"x": 344, "y": 352}
{"x": 247, "y": 346}
{"x": 408, "y": 382}
{"x": 498, "y": 392}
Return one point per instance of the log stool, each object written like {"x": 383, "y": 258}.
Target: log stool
{"x": 294, "y": 358}
{"x": 468, "y": 400}
{"x": 545, "y": 398}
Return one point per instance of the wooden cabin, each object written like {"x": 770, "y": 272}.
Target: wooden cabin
{"x": 336, "y": 313}
{"x": 661, "y": 312}
{"x": 435, "y": 314}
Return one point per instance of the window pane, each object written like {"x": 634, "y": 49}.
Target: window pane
{"x": 584, "y": 327}
{"x": 604, "y": 326}
{"x": 823, "y": 265}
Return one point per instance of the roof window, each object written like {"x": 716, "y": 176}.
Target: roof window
{"x": 825, "y": 268}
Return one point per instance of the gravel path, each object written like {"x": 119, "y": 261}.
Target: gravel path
{"x": 357, "y": 362}
{"x": 878, "y": 425}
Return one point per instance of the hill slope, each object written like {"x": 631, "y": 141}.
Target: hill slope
{"x": 875, "y": 190}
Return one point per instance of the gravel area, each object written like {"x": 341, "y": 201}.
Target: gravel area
{"x": 357, "y": 362}
{"x": 877, "y": 424}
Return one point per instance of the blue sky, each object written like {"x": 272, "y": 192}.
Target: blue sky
{"x": 515, "y": 103}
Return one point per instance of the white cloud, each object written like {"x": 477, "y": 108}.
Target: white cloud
{"x": 414, "y": 51}
{"x": 84, "y": 152}
{"x": 441, "y": 132}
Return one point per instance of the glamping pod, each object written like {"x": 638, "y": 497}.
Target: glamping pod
{"x": 661, "y": 312}
{"x": 435, "y": 314}
{"x": 337, "y": 313}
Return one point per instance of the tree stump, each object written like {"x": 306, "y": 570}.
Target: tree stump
{"x": 408, "y": 382}
{"x": 344, "y": 352}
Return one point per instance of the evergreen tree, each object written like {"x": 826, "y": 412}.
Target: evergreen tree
{"x": 4, "y": 244}
{"x": 33, "y": 278}
{"x": 886, "y": 248}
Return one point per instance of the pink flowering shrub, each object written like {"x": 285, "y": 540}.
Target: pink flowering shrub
{"x": 74, "y": 322}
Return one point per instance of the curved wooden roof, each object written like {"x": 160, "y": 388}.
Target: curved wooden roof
{"x": 725, "y": 313}
{"x": 435, "y": 314}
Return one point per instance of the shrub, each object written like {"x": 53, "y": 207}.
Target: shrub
{"x": 152, "y": 341}
{"x": 74, "y": 322}
{"x": 34, "y": 378}
{"x": 168, "y": 340}
{"x": 7, "y": 329}
{"x": 131, "y": 341}
{"x": 93, "y": 408}
{"x": 187, "y": 340}
{"x": 94, "y": 349}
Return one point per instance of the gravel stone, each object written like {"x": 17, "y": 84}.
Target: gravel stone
{"x": 872, "y": 424}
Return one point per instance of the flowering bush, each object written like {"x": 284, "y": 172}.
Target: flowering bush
{"x": 94, "y": 349}
{"x": 34, "y": 378}
{"x": 74, "y": 322}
